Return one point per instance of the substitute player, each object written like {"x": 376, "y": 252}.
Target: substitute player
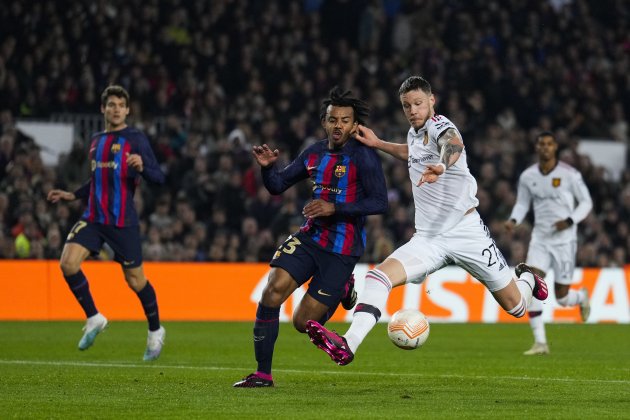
{"x": 119, "y": 156}
{"x": 348, "y": 184}
{"x": 448, "y": 228}
{"x": 561, "y": 201}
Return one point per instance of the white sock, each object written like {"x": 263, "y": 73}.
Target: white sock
{"x": 536, "y": 322}
{"x": 538, "y": 329}
{"x": 375, "y": 293}
{"x": 525, "y": 284}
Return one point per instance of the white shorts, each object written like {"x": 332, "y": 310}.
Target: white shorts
{"x": 468, "y": 245}
{"x": 557, "y": 257}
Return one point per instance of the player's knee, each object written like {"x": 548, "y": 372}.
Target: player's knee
{"x": 69, "y": 267}
{"x": 135, "y": 282}
{"x": 272, "y": 295}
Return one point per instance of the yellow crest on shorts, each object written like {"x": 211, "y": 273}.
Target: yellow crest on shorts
{"x": 556, "y": 182}
{"x": 115, "y": 147}
{"x": 340, "y": 171}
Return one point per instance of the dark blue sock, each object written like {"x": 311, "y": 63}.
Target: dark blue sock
{"x": 81, "y": 290}
{"x": 150, "y": 306}
{"x": 265, "y": 335}
{"x": 329, "y": 313}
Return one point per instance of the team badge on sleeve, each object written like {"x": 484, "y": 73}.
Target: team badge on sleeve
{"x": 556, "y": 182}
{"x": 340, "y": 171}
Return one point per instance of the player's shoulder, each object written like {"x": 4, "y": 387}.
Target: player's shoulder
{"x": 134, "y": 133}
{"x": 439, "y": 121}
{"x": 315, "y": 147}
{"x": 361, "y": 151}
{"x": 531, "y": 171}
{"x": 565, "y": 167}
{"x": 438, "y": 124}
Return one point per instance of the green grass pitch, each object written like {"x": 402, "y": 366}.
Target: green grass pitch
{"x": 463, "y": 371}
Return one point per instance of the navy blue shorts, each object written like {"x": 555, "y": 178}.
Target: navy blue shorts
{"x": 125, "y": 241}
{"x": 302, "y": 258}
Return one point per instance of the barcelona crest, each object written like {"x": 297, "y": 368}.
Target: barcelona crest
{"x": 115, "y": 147}
{"x": 340, "y": 171}
{"x": 556, "y": 182}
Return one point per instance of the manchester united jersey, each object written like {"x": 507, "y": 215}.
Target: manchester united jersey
{"x": 556, "y": 195}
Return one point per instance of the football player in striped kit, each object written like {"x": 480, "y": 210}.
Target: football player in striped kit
{"x": 448, "y": 228}
{"x": 560, "y": 200}
{"x": 119, "y": 157}
{"x": 347, "y": 184}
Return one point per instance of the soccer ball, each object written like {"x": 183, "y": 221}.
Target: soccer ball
{"x": 408, "y": 329}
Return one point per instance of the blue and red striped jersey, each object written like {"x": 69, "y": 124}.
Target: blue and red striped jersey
{"x": 350, "y": 177}
{"x": 113, "y": 183}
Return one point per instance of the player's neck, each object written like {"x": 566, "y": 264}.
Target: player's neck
{"x": 547, "y": 166}
{"x": 111, "y": 127}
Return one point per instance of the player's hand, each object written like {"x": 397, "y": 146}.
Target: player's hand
{"x": 562, "y": 225}
{"x": 509, "y": 225}
{"x": 135, "y": 161}
{"x": 431, "y": 174}
{"x": 366, "y": 136}
{"x": 318, "y": 208}
{"x": 55, "y": 195}
{"x": 264, "y": 155}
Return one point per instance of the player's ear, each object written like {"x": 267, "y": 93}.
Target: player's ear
{"x": 355, "y": 127}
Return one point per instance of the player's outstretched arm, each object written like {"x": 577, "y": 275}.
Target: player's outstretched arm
{"x": 55, "y": 196}
{"x": 264, "y": 155}
{"x": 366, "y": 136}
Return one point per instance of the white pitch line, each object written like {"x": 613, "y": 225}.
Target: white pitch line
{"x": 328, "y": 372}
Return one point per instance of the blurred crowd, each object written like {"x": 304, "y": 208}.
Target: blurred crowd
{"x": 224, "y": 75}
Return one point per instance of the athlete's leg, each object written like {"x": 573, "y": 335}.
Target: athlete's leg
{"x": 378, "y": 284}
{"x": 540, "y": 260}
{"x": 280, "y": 286}
{"x": 137, "y": 281}
{"x": 72, "y": 257}
{"x": 536, "y": 321}
{"x": 565, "y": 296}
{"x": 471, "y": 246}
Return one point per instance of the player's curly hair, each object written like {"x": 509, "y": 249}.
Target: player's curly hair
{"x": 340, "y": 97}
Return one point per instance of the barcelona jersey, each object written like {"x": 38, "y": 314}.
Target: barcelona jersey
{"x": 113, "y": 183}
{"x": 351, "y": 178}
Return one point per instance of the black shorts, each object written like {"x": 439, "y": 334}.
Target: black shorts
{"x": 302, "y": 258}
{"x": 125, "y": 241}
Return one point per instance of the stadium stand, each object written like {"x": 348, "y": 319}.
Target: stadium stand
{"x": 209, "y": 79}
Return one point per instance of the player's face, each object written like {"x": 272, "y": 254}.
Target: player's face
{"x": 418, "y": 107}
{"x": 115, "y": 112}
{"x": 339, "y": 124}
{"x": 546, "y": 147}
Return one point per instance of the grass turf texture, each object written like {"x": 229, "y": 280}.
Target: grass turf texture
{"x": 465, "y": 371}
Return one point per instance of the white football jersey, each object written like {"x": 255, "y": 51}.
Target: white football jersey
{"x": 442, "y": 204}
{"x": 554, "y": 196}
